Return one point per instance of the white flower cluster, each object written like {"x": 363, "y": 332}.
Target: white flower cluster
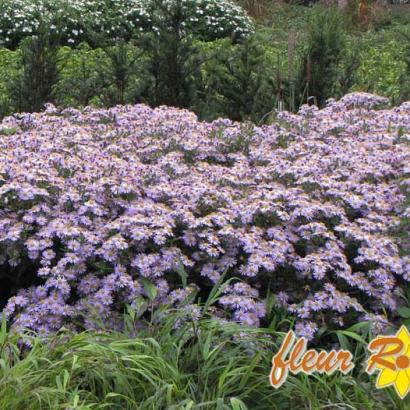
{"x": 80, "y": 20}
{"x": 213, "y": 19}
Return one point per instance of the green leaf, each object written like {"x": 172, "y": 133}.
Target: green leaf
{"x": 131, "y": 312}
{"x": 206, "y": 346}
{"x": 111, "y": 394}
{"x": 238, "y": 404}
{"x": 182, "y": 273}
{"x": 3, "y": 332}
{"x": 216, "y": 290}
{"x": 404, "y": 312}
{"x": 352, "y": 335}
{"x": 219, "y": 404}
{"x": 8, "y": 131}
{"x": 150, "y": 289}
{"x": 343, "y": 341}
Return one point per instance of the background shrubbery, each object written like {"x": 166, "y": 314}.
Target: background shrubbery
{"x": 176, "y": 54}
{"x": 84, "y": 20}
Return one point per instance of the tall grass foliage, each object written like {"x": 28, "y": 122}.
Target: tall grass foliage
{"x": 175, "y": 362}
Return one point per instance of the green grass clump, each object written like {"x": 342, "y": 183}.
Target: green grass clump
{"x": 197, "y": 364}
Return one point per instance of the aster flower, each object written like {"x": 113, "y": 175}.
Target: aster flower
{"x": 115, "y": 205}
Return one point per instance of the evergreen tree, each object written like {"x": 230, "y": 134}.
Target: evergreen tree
{"x": 38, "y": 74}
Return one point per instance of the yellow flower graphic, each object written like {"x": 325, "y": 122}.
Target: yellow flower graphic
{"x": 393, "y": 359}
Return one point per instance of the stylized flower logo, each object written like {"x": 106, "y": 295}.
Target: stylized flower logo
{"x": 392, "y": 357}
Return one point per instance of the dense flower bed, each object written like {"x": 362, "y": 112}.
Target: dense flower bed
{"x": 84, "y": 19}
{"x": 100, "y": 203}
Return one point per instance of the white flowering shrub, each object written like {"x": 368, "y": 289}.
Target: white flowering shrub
{"x": 83, "y": 19}
{"x": 22, "y": 18}
{"x": 211, "y": 19}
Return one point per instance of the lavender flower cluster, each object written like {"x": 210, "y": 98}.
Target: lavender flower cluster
{"x": 99, "y": 202}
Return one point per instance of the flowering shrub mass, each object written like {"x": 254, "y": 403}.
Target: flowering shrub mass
{"x": 80, "y": 20}
{"x": 104, "y": 206}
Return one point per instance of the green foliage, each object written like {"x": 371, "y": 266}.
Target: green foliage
{"x": 383, "y": 70}
{"x": 33, "y": 85}
{"x": 199, "y": 365}
{"x": 8, "y": 69}
{"x": 299, "y": 53}
{"x": 326, "y": 42}
{"x": 83, "y": 20}
{"x": 80, "y": 82}
{"x": 195, "y": 364}
{"x": 103, "y": 77}
{"x": 239, "y": 81}
{"x": 173, "y": 59}
{"x": 120, "y": 76}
